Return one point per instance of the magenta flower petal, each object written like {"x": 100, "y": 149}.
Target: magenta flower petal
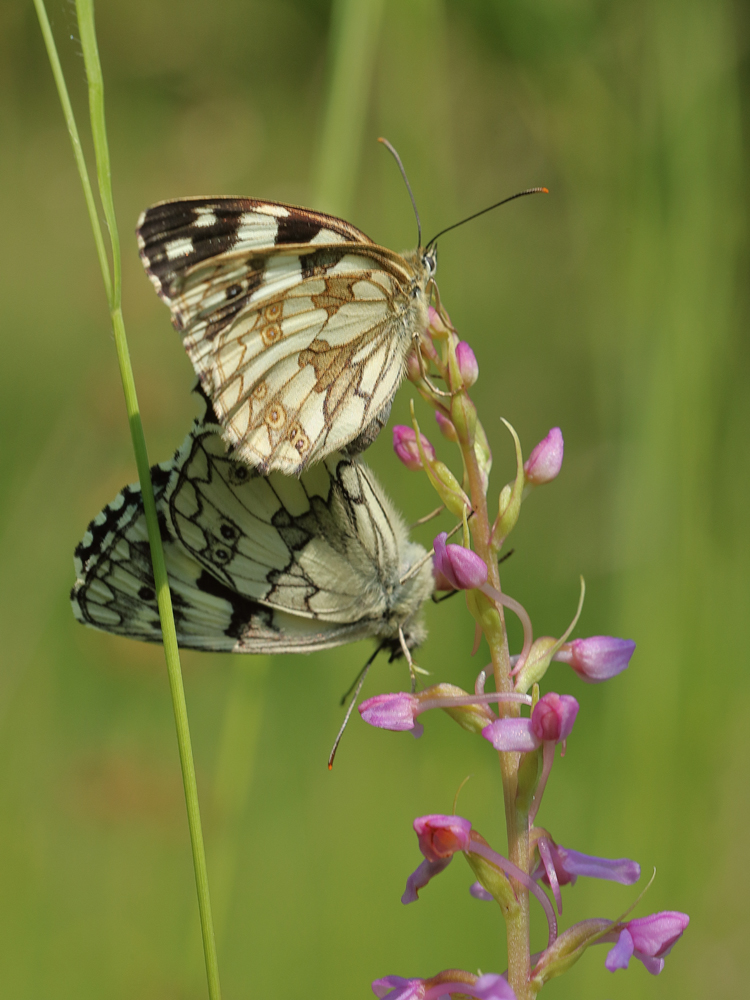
{"x": 545, "y": 461}
{"x": 621, "y": 870}
{"x": 421, "y": 876}
{"x": 395, "y": 711}
{"x": 441, "y": 836}
{"x": 619, "y": 956}
{"x": 655, "y": 935}
{"x": 597, "y": 658}
{"x": 467, "y": 363}
{"x": 405, "y": 446}
{"x": 553, "y": 717}
{"x": 511, "y": 734}
{"x": 569, "y": 864}
{"x": 460, "y": 567}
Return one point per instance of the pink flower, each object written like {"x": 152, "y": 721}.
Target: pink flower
{"x": 649, "y": 939}
{"x": 568, "y": 864}
{"x": 405, "y": 446}
{"x": 545, "y": 461}
{"x": 467, "y": 363}
{"x": 445, "y": 984}
{"x": 459, "y": 568}
{"x": 435, "y": 322}
{"x": 440, "y": 837}
{"x": 597, "y": 658}
{"x": 560, "y": 866}
{"x": 551, "y": 722}
{"x": 396, "y": 711}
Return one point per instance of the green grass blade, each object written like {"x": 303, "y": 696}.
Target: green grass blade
{"x": 113, "y": 285}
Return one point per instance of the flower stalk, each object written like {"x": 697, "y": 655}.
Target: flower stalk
{"x": 526, "y": 744}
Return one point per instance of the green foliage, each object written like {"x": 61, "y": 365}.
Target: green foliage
{"x": 614, "y": 308}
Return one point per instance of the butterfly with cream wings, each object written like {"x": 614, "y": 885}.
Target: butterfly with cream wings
{"x": 256, "y": 564}
{"x": 297, "y": 324}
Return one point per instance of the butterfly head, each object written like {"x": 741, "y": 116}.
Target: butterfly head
{"x": 429, "y": 260}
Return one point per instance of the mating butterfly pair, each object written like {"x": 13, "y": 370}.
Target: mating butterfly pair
{"x": 298, "y": 326}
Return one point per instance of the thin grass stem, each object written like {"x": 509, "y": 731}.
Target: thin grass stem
{"x": 113, "y": 286}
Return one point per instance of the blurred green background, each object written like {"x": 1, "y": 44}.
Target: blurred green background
{"x": 616, "y": 308}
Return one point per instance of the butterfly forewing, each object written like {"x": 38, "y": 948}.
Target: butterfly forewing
{"x": 297, "y": 323}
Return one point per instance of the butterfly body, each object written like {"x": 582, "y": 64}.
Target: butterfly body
{"x": 297, "y": 324}
{"x": 255, "y": 564}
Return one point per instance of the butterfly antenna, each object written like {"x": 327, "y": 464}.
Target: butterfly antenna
{"x": 520, "y": 194}
{"x": 397, "y": 158}
{"x": 356, "y": 687}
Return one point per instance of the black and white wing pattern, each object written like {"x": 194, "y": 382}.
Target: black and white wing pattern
{"x": 255, "y": 564}
{"x": 297, "y": 324}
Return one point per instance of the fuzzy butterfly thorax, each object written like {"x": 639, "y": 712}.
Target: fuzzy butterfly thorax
{"x": 297, "y": 324}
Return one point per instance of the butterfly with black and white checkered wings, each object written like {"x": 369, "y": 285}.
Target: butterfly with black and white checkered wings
{"x": 256, "y": 564}
{"x": 297, "y": 324}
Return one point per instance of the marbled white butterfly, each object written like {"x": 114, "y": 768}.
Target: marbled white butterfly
{"x": 297, "y": 324}
{"x": 255, "y": 564}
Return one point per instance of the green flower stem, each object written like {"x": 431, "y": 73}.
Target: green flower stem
{"x": 112, "y": 284}
{"x": 518, "y": 922}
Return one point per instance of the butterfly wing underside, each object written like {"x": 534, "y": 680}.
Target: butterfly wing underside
{"x": 255, "y": 565}
{"x": 297, "y": 324}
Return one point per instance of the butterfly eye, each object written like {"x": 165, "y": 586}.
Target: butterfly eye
{"x": 146, "y": 594}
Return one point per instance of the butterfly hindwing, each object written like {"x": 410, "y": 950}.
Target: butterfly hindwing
{"x": 323, "y": 545}
{"x": 297, "y": 324}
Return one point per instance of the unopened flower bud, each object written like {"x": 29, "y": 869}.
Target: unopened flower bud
{"x": 545, "y": 461}
{"x": 551, "y": 722}
{"x": 467, "y": 363}
{"x": 460, "y": 567}
{"x": 446, "y": 427}
{"x": 406, "y": 448}
{"x": 396, "y": 711}
{"x": 597, "y": 658}
{"x": 553, "y": 717}
{"x": 413, "y": 368}
{"x": 436, "y": 324}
